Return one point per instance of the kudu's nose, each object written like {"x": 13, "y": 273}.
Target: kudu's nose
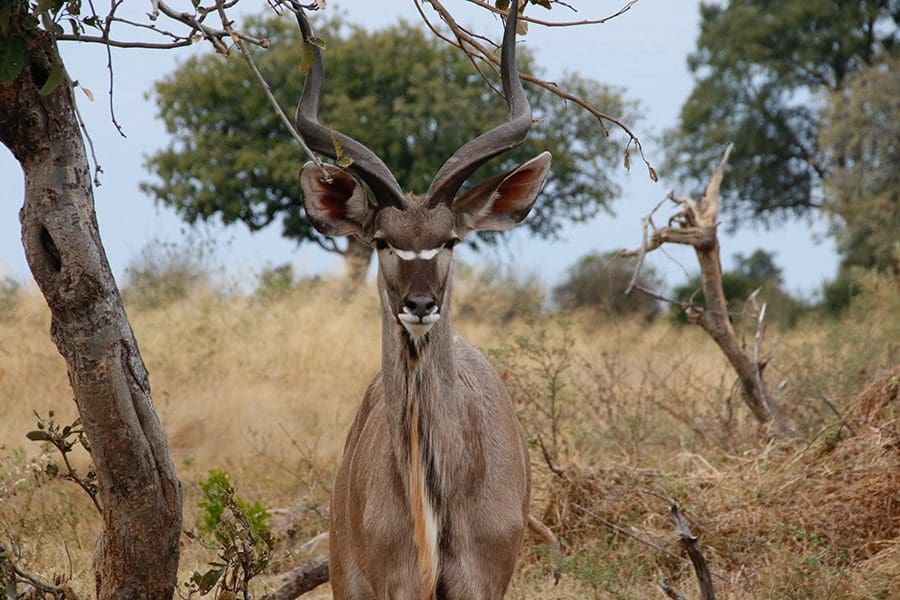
{"x": 420, "y": 306}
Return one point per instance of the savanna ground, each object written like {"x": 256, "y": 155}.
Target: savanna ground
{"x": 631, "y": 416}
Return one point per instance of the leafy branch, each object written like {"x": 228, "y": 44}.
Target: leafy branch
{"x": 64, "y": 439}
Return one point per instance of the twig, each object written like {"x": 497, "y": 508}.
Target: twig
{"x": 760, "y": 329}
{"x": 625, "y": 532}
{"x": 109, "y": 66}
{"x": 689, "y": 541}
{"x": 669, "y": 590}
{"x": 264, "y": 85}
{"x": 469, "y": 56}
{"x": 549, "y": 460}
{"x": 97, "y": 168}
{"x": 840, "y": 417}
{"x": 502, "y": 12}
{"x": 646, "y": 224}
{"x": 486, "y": 55}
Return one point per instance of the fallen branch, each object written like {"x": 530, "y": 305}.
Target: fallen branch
{"x": 670, "y": 591}
{"x": 302, "y": 579}
{"x": 690, "y": 543}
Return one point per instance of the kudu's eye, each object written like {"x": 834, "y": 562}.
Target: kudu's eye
{"x": 451, "y": 243}
{"x": 380, "y": 244}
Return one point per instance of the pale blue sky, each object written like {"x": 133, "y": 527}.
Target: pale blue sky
{"x": 642, "y": 51}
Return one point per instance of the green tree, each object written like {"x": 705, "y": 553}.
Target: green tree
{"x": 407, "y": 96}
{"x": 860, "y": 139}
{"x": 762, "y": 68}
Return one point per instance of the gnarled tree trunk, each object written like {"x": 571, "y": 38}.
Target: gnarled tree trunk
{"x": 139, "y": 491}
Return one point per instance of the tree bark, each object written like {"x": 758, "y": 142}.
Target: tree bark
{"x": 139, "y": 491}
{"x": 356, "y": 259}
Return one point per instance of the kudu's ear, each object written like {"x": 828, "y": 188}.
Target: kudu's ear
{"x": 336, "y": 207}
{"x": 504, "y": 200}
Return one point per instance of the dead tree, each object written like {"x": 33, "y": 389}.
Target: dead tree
{"x": 695, "y": 225}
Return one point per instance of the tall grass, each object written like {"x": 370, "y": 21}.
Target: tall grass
{"x": 631, "y": 417}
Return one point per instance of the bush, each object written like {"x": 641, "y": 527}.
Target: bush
{"x": 274, "y": 281}
{"x": 598, "y": 281}
{"x": 165, "y": 272}
{"x": 9, "y": 295}
{"x": 496, "y": 294}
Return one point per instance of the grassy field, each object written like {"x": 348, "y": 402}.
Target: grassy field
{"x": 632, "y": 416}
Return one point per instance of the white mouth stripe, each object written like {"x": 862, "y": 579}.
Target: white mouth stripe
{"x": 412, "y": 255}
{"x": 414, "y": 320}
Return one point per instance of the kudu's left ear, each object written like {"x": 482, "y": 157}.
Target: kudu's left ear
{"x": 504, "y": 200}
{"x": 336, "y": 207}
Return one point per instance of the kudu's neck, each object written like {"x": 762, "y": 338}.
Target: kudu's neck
{"x": 419, "y": 369}
{"x": 419, "y": 375}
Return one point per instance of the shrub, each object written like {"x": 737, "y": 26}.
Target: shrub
{"x": 9, "y": 295}
{"x": 598, "y": 281}
{"x": 165, "y": 272}
{"x": 274, "y": 281}
{"x": 496, "y": 294}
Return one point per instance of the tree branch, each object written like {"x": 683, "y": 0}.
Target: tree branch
{"x": 689, "y": 541}
{"x": 504, "y": 13}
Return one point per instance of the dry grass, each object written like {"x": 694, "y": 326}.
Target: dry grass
{"x": 633, "y": 416}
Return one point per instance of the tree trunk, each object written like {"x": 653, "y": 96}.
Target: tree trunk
{"x": 716, "y": 321}
{"x": 695, "y": 225}
{"x": 356, "y": 260}
{"x": 140, "y": 493}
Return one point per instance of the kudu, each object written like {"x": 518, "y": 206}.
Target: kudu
{"x": 431, "y": 499}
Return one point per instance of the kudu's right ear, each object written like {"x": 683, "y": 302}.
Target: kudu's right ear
{"x": 337, "y": 207}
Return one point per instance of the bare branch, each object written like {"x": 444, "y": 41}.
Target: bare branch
{"x": 484, "y": 54}
{"x": 304, "y": 578}
{"x": 689, "y": 541}
{"x": 708, "y": 208}
{"x": 638, "y": 538}
{"x": 264, "y": 85}
{"x": 503, "y": 13}
{"x": 670, "y": 591}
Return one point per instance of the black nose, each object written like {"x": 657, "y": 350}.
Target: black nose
{"x": 419, "y": 305}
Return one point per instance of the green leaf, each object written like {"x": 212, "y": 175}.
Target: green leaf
{"x": 53, "y": 79}
{"x": 208, "y": 580}
{"x": 319, "y": 42}
{"x": 545, "y": 3}
{"x": 52, "y": 469}
{"x": 627, "y": 159}
{"x": 38, "y": 436}
{"x": 10, "y": 591}
{"x": 344, "y": 162}
{"x": 13, "y": 55}
{"x": 502, "y": 4}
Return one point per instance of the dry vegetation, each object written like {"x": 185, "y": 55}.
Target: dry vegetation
{"x": 630, "y": 416}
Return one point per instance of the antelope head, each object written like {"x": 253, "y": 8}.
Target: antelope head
{"x": 415, "y": 234}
